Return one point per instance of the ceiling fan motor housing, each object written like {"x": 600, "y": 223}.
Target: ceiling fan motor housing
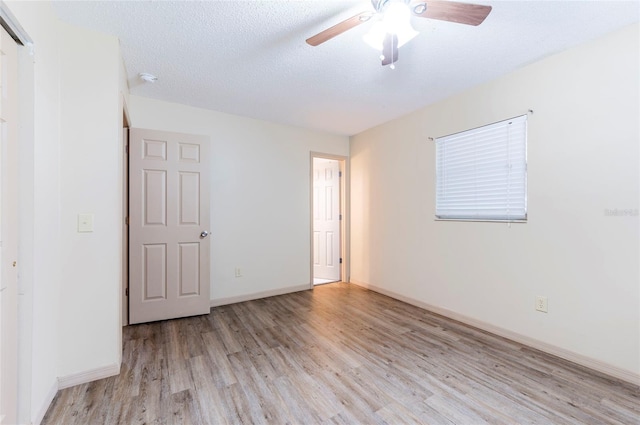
{"x": 379, "y": 5}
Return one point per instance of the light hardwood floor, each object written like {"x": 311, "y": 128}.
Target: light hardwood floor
{"x": 338, "y": 354}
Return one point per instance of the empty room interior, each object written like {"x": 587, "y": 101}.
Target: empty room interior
{"x": 300, "y": 212}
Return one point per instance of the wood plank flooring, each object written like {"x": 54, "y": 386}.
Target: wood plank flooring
{"x": 338, "y": 354}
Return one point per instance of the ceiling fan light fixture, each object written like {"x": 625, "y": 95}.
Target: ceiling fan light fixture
{"x": 396, "y": 16}
{"x": 396, "y": 20}
{"x": 375, "y": 36}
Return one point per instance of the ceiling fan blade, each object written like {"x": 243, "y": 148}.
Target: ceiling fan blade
{"x": 338, "y": 29}
{"x": 461, "y": 13}
{"x": 390, "y": 49}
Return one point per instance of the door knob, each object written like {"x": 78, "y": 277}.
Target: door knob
{"x": 204, "y": 234}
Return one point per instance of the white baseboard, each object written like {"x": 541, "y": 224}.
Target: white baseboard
{"x": 88, "y": 376}
{"x": 51, "y": 394}
{"x": 574, "y": 357}
{"x": 257, "y": 295}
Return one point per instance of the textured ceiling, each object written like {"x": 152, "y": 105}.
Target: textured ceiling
{"x": 250, "y": 57}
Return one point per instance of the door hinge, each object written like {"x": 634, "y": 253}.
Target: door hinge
{"x": 341, "y": 261}
{"x": 340, "y": 216}
{"x": 126, "y": 148}
{"x": 126, "y": 221}
{"x": 339, "y": 173}
{"x": 126, "y": 291}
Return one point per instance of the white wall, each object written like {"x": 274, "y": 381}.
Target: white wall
{"x": 69, "y": 163}
{"x": 260, "y": 218}
{"x": 90, "y": 176}
{"x": 583, "y": 157}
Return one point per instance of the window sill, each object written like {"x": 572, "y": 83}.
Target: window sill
{"x": 480, "y": 220}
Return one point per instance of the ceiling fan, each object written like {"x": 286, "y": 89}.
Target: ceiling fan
{"x": 393, "y": 28}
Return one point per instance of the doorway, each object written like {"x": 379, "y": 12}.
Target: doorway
{"x": 328, "y": 201}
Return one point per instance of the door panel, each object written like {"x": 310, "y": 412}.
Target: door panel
{"x": 169, "y": 209}
{"x": 189, "y": 265}
{"x": 326, "y": 219}
{"x": 155, "y": 272}
{"x": 189, "y": 198}
{"x": 154, "y": 194}
{"x": 328, "y": 243}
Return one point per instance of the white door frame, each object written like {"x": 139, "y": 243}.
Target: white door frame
{"x": 344, "y": 211}
{"x": 124, "y": 143}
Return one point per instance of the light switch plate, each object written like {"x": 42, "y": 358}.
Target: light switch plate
{"x": 85, "y": 223}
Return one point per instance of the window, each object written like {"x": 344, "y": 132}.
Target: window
{"x": 481, "y": 174}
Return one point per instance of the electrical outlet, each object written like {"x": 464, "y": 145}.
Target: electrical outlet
{"x": 238, "y": 272}
{"x": 541, "y": 304}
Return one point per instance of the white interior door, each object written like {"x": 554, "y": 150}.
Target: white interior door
{"x": 326, "y": 219}
{"x": 168, "y": 225}
{"x": 8, "y": 229}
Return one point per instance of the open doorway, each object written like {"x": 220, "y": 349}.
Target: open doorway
{"x": 328, "y": 228}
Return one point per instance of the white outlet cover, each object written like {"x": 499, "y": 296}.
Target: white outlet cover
{"x": 542, "y": 304}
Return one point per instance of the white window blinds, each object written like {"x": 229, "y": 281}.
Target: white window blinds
{"x": 481, "y": 174}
